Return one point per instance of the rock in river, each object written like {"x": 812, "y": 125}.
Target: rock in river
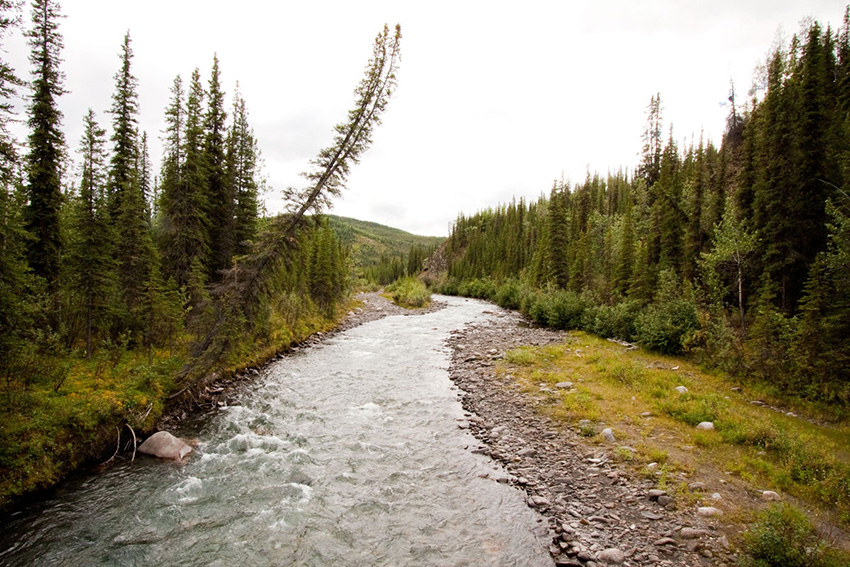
{"x": 164, "y": 445}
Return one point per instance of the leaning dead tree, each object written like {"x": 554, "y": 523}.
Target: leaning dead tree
{"x": 249, "y": 281}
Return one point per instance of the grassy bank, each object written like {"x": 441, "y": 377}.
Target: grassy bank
{"x": 50, "y": 428}
{"x": 757, "y": 443}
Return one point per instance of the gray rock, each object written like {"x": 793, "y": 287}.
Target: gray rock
{"x": 770, "y": 496}
{"x": 709, "y": 511}
{"x": 705, "y": 426}
{"x": 691, "y": 533}
{"x": 164, "y": 445}
{"x": 665, "y": 500}
{"x": 696, "y": 486}
{"x": 681, "y": 389}
{"x": 538, "y": 502}
{"x": 664, "y": 541}
{"x": 612, "y": 555}
{"x": 608, "y": 435}
{"x": 564, "y": 385}
{"x": 528, "y": 452}
{"x": 655, "y": 493}
{"x": 651, "y": 515}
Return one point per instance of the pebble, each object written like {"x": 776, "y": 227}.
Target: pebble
{"x": 651, "y": 515}
{"x": 664, "y": 541}
{"x": 665, "y": 500}
{"x": 564, "y": 385}
{"x": 709, "y": 511}
{"x": 691, "y": 533}
{"x": 611, "y": 555}
{"x": 770, "y": 496}
{"x": 705, "y": 426}
{"x": 681, "y": 389}
{"x": 655, "y": 493}
{"x": 608, "y": 435}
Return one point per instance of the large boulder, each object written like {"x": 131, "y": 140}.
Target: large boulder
{"x": 165, "y": 446}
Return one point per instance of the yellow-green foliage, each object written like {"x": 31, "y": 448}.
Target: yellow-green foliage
{"x": 783, "y": 536}
{"x": 635, "y": 393}
{"x": 409, "y": 292}
{"x": 47, "y": 431}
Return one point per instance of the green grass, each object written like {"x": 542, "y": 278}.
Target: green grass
{"x": 753, "y": 448}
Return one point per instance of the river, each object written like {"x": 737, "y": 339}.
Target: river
{"x": 346, "y": 453}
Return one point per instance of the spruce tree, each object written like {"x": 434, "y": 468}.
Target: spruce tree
{"x": 125, "y": 109}
{"x": 91, "y": 263}
{"x": 127, "y": 206}
{"x": 183, "y": 220}
{"x": 46, "y": 143}
{"x": 220, "y": 209}
{"x": 15, "y": 277}
{"x": 243, "y": 176}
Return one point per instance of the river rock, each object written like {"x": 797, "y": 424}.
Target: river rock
{"x": 611, "y": 555}
{"x": 691, "y": 533}
{"x": 164, "y": 445}
{"x": 655, "y": 493}
{"x": 705, "y": 426}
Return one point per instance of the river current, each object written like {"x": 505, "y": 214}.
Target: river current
{"x": 347, "y": 453}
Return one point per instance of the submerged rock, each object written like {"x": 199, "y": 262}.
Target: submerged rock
{"x": 164, "y": 445}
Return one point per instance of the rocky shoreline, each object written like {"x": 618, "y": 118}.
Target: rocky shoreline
{"x": 599, "y": 512}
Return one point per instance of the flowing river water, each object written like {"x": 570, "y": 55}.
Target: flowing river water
{"x": 347, "y": 453}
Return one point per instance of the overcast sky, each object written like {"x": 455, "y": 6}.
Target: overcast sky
{"x": 495, "y": 100}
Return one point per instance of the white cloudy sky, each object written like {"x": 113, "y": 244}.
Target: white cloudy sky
{"x": 495, "y": 99}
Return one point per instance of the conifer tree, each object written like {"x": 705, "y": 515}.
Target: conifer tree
{"x": 46, "y": 143}
{"x": 243, "y": 174}
{"x": 91, "y": 263}
{"x": 125, "y": 108}
{"x": 183, "y": 221}
{"x": 220, "y": 206}
{"x": 134, "y": 249}
{"x": 15, "y": 277}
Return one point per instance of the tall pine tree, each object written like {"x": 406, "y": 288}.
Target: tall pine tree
{"x": 46, "y": 143}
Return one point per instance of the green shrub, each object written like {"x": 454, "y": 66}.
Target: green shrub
{"x": 782, "y": 536}
{"x": 409, "y": 292}
{"x": 617, "y": 321}
{"x": 565, "y": 309}
{"x": 508, "y": 295}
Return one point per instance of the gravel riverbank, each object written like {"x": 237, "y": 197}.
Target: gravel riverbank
{"x": 599, "y": 513}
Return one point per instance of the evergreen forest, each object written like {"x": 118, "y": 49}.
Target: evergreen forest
{"x": 737, "y": 254}
{"x": 125, "y": 286}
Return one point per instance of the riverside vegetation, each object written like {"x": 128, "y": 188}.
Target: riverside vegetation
{"x": 119, "y": 296}
{"x": 737, "y": 257}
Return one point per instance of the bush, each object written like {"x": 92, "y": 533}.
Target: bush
{"x": 782, "y": 536}
{"x": 509, "y": 295}
{"x": 409, "y": 292}
{"x": 617, "y": 321}
{"x": 565, "y": 309}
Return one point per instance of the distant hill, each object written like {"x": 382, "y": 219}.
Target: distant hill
{"x": 368, "y": 240}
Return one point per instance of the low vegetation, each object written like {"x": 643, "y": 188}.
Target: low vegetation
{"x": 409, "y": 292}
{"x": 799, "y": 451}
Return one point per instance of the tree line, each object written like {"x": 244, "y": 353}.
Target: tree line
{"x": 738, "y": 253}
{"x": 121, "y": 252}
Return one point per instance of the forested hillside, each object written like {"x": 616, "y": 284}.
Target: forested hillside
{"x": 369, "y": 242}
{"x": 737, "y": 253}
{"x": 121, "y": 287}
